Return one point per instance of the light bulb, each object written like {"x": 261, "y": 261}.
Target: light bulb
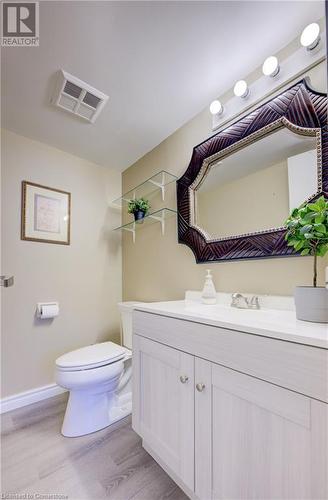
{"x": 216, "y": 107}
{"x": 241, "y": 89}
{"x": 310, "y": 36}
{"x": 271, "y": 66}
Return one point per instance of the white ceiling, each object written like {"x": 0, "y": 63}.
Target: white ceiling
{"x": 159, "y": 62}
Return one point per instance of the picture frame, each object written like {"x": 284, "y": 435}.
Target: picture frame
{"x": 45, "y": 214}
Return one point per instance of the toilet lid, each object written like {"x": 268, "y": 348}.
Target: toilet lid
{"x": 91, "y": 356}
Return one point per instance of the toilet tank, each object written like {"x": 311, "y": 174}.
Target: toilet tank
{"x": 126, "y": 309}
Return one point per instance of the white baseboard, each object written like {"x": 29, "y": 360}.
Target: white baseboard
{"x": 28, "y": 397}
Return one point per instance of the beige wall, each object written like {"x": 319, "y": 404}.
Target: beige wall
{"x": 85, "y": 277}
{"x": 158, "y": 268}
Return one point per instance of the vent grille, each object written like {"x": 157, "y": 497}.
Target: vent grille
{"x": 72, "y": 89}
{"x": 77, "y": 97}
{"x": 85, "y": 112}
{"x": 91, "y": 100}
{"x": 67, "y": 103}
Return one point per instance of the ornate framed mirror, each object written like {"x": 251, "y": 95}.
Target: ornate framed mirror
{"x": 242, "y": 183}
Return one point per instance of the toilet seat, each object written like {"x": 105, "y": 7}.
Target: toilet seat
{"x": 92, "y": 356}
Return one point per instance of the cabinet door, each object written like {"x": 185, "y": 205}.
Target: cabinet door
{"x": 266, "y": 442}
{"x": 163, "y": 404}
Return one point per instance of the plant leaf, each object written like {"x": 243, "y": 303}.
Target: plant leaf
{"x": 321, "y": 228}
{"x": 299, "y": 245}
{"x": 306, "y": 229}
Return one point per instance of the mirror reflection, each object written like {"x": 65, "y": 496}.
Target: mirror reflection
{"x": 256, "y": 187}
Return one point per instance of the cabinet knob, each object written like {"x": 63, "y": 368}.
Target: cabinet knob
{"x": 200, "y": 387}
{"x": 184, "y": 379}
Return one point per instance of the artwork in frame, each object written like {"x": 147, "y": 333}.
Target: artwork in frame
{"x": 45, "y": 214}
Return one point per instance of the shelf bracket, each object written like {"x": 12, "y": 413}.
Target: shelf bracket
{"x": 160, "y": 219}
{"x": 133, "y": 231}
{"x": 160, "y": 185}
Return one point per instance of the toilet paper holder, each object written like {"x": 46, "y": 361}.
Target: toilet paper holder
{"x": 47, "y": 310}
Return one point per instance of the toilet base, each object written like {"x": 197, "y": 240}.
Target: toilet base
{"x": 87, "y": 413}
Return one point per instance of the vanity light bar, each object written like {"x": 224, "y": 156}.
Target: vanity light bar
{"x": 310, "y": 39}
{"x": 216, "y": 107}
{"x": 241, "y": 89}
{"x": 271, "y": 66}
{"x": 310, "y": 36}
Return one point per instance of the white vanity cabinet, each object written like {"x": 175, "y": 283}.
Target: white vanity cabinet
{"x": 222, "y": 432}
{"x": 258, "y": 441}
{"x": 164, "y": 404}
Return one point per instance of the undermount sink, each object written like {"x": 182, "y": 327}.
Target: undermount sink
{"x": 274, "y": 311}
{"x": 225, "y": 312}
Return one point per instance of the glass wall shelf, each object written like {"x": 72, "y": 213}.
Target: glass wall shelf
{"x": 157, "y": 182}
{"x": 159, "y": 216}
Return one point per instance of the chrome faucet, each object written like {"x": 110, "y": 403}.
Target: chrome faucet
{"x": 254, "y": 303}
{"x": 238, "y": 300}
{"x": 241, "y": 302}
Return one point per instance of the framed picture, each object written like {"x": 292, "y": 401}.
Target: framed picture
{"x": 45, "y": 214}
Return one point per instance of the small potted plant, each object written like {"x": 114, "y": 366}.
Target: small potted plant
{"x": 139, "y": 208}
{"x": 307, "y": 232}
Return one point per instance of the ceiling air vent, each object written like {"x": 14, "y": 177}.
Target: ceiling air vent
{"x": 78, "y": 97}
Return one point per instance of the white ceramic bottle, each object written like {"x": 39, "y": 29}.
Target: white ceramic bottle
{"x": 209, "y": 292}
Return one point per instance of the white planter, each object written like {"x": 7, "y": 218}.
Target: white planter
{"x": 311, "y": 303}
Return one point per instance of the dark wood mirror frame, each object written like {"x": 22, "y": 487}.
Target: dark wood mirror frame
{"x": 299, "y": 108}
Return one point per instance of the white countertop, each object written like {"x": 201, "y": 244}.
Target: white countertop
{"x": 275, "y": 323}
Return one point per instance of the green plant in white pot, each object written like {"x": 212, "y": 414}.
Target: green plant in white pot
{"x": 307, "y": 232}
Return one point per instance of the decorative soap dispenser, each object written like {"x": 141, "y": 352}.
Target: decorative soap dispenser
{"x": 209, "y": 292}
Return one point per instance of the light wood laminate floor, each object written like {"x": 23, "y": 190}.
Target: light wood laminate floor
{"x": 38, "y": 460}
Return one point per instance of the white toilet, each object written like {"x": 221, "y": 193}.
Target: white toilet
{"x": 99, "y": 380}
